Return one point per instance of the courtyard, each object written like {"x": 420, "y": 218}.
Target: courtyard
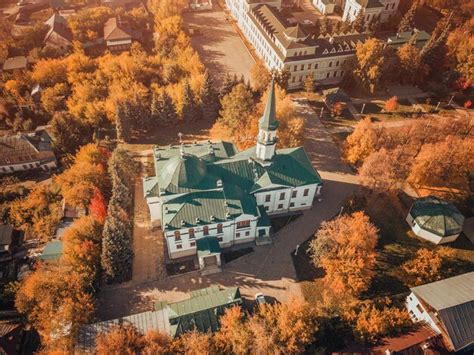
{"x": 269, "y": 269}
{"x": 219, "y": 46}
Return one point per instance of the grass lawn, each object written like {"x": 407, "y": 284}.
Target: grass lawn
{"x": 397, "y": 244}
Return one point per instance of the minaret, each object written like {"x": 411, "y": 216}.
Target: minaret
{"x": 266, "y": 140}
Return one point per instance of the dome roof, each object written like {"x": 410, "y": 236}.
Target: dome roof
{"x": 437, "y": 216}
{"x": 183, "y": 171}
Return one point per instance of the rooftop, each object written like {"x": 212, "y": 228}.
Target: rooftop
{"x": 52, "y": 251}
{"x": 6, "y": 233}
{"x": 15, "y": 63}
{"x": 114, "y": 29}
{"x": 453, "y": 301}
{"x": 437, "y": 216}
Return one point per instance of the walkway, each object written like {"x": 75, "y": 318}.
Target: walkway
{"x": 269, "y": 269}
{"x": 219, "y": 46}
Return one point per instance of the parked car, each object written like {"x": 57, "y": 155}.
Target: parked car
{"x": 308, "y": 22}
{"x": 260, "y": 298}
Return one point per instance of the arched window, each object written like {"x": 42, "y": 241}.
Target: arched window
{"x": 177, "y": 235}
{"x": 191, "y": 232}
{"x": 205, "y": 230}
{"x": 219, "y": 228}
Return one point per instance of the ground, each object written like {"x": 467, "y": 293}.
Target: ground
{"x": 269, "y": 269}
{"x": 219, "y": 46}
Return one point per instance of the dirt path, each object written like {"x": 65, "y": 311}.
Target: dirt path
{"x": 148, "y": 245}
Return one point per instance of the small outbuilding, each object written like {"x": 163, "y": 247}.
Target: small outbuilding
{"x": 435, "y": 220}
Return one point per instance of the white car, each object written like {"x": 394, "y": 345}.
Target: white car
{"x": 260, "y": 298}
{"x": 308, "y": 22}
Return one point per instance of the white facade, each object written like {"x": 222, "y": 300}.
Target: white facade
{"x": 418, "y": 313}
{"x": 324, "y": 7}
{"x": 12, "y": 168}
{"x": 283, "y": 199}
{"x": 427, "y": 235}
{"x": 300, "y": 60}
{"x": 383, "y": 12}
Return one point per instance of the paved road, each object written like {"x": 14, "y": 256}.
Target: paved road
{"x": 269, "y": 269}
{"x": 219, "y": 46}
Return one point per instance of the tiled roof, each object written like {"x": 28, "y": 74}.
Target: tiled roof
{"x": 208, "y": 245}
{"x": 58, "y": 24}
{"x": 268, "y": 120}
{"x": 14, "y": 63}
{"x": 114, "y": 30}
{"x": 6, "y": 233}
{"x": 22, "y": 149}
{"x": 52, "y": 251}
{"x": 437, "y": 216}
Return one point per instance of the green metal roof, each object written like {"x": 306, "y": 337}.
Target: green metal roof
{"x": 53, "y": 250}
{"x": 201, "y": 311}
{"x": 207, "y": 245}
{"x": 268, "y": 120}
{"x": 263, "y": 221}
{"x": 437, "y": 216}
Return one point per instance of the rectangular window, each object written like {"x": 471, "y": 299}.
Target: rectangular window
{"x": 219, "y": 228}
{"x": 302, "y": 66}
{"x": 292, "y": 204}
{"x": 309, "y": 66}
{"x": 316, "y": 66}
{"x": 193, "y": 244}
{"x": 237, "y": 235}
{"x": 280, "y": 207}
{"x": 243, "y": 224}
{"x": 219, "y": 239}
{"x": 330, "y": 64}
{"x": 327, "y": 75}
{"x": 247, "y": 233}
{"x": 342, "y": 72}
{"x": 419, "y": 308}
{"x": 191, "y": 232}
{"x": 267, "y": 208}
{"x": 337, "y": 63}
{"x": 306, "y": 192}
{"x": 294, "y": 193}
{"x": 282, "y": 196}
{"x": 205, "y": 230}
{"x": 268, "y": 198}
{"x": 177, "y": 235}
{"x": 179, "y": 246}
{"x": 335, "y": 73}
{"x": 295, "y": 68}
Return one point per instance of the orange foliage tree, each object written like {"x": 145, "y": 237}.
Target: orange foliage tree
{"x": 426, "y": 266}
{"x": 98, "y": 206}
{"x": 391, "y": 104}
{"x": 345, "y": 248}
{"x": 87, "y": 173}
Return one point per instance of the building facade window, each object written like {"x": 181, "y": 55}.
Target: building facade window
{"x": 177, "y": 235}
{"x": 191, "y": 232}
{"x": 247, "y": 233}
{"x": 306, "y": 192}
{"x": 292, "y": 204}
{"x": 237, "y": 235}
{"x": 280, "y": 206}
{"x": 294, "y": 193}
{"x": 268, "y": 198}
{"x": 220, "y": 239}
{"x": 205, "y": 230}
{"x": 193, "y": 244}
{"x": 330, "y": 64}
{"x": 219, "y": 228}
{"x": 243, "y": 224}
{"x": 179, "y": 246}
{"x": 282, "y": 196}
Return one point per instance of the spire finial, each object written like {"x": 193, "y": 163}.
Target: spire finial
{"x": 268, "y": 120}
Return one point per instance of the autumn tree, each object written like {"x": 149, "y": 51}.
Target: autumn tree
{"x": 426, "y": 266}
{"x": 87, "y": 173}
{"x": 345, "y": 248}
{"x": 370, "y": 61}
{"x": 234, "y": 335}
{"x": 412, "y": 68}
{"x": 433, "y": 53}
{"x": 439, "y": 165}
{"x": 53, "y": 98}
{"x": 38, "y": 211}
{"x": 157, "y": 343}
{"x": 194, "y": 343}
{"x": 228, "y": 84}
{"x": 88, "y": 23}
{"x": 391, "y": 104}
{"x": 236, "y": 106}
{"x": 120, "y": 339}
{"x": 49, "y": 72}
{"x": 373, "y": 320}
{"x": 309, "y": 86}
{"x": 385, "y": 169}
{"x": 123, "y": 121}
{"x": 460, "y": 46}
{"x": 408, "y": 20}
{"x": 261, "y": 77}
{"x": 56, "y": 303}
{"x": 98, "y": 206}
{"x": 361, "y": 142}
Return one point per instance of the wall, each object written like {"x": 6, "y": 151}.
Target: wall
{"x": 6, "y": 169}
{"x": 418, "y": 313}
{"x": 431, "y": 237}
{"x": 300, "y": 201}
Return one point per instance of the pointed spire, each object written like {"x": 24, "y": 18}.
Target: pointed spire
{"x": 268, "y": 120}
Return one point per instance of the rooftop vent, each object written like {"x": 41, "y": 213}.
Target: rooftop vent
{"x": 183, "y": 223}
{"x": 213, "y": 218}
{"x": 219, "y": 183}
{"x": 197, "y": 220}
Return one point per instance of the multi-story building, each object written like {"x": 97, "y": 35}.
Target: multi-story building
{"x": 374, "y": 10}
{"x": 208, "y": 196}
{"x": 447, "y": 307}
{"x": 283, "y": 46}
{"x": 23, "y": 152}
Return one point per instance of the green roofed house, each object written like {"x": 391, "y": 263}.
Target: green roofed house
{"x": 435, "y": 220}
{"x": 52, "y": 251}
{"x": 200, "y": 312}
{"x": 211, "y": 190}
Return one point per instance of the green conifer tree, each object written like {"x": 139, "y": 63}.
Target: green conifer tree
{"x": 209, "y": 99}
